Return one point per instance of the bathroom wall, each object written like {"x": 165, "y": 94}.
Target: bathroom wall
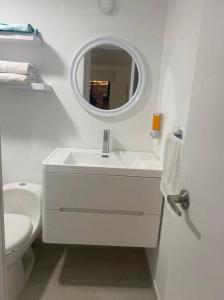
{"x": 34, "y": 123}
{"x": 2, "y": 276}
{"x": 179, "y": 57}
{"x": 181, "y": 44}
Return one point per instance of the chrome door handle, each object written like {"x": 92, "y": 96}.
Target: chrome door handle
{"x": 182, "y": 199}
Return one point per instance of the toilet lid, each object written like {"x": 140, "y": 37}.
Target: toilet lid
{"x": 18, "y": 228}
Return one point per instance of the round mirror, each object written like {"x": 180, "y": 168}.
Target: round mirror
{"x": 107, "y": 77}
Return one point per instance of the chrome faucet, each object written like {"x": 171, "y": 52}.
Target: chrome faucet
{"x": 106, "y": 143}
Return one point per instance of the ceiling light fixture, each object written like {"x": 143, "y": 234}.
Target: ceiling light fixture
{"x": 106, "y": 6}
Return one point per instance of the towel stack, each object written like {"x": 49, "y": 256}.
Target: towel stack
{"x": 16, "y": 73}
{"x": 18, "y": 28}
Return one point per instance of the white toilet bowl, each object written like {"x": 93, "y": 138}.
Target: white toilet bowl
{"x": 22, "y": 211}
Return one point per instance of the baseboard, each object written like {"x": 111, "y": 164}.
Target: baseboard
{"x": 153, "y": 280}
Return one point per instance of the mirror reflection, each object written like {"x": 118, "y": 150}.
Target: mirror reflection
{"x": 108, "y": 77}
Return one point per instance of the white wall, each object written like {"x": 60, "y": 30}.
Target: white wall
{"x": 179, "y": 56}
{"x": 2, "y": 246}
{"x": 33, "y": 124}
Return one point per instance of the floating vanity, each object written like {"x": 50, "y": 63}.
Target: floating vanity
{"x": 95, "y": 200}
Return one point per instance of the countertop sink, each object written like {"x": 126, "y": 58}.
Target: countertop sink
{"x": 90, "y": 161}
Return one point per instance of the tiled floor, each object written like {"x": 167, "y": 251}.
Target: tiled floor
{"x": 89, "y": 273}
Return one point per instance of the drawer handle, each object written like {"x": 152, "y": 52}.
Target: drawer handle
{"x": 101, "y": 211}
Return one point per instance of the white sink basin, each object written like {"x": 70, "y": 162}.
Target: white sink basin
{"x": 90, "y": 161}
{"x": 94, "y": 159}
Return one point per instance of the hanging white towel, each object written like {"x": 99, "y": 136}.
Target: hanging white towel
{"x": 17, "y": 68}
{"x": 171, "y": 166}
{"x": 15, "y": 79}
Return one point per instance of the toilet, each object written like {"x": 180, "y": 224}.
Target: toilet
{"x": 22, "y": 219}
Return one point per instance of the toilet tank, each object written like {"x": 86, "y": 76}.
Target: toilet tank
{"x": 23, "y": 198}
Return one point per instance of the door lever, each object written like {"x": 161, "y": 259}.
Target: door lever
{"x": 182, "y": 199}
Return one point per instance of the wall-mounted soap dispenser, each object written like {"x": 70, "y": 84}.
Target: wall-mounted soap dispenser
{"x": 156, "y": 125}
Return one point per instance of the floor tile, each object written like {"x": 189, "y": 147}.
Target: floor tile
{"x": 84, "y": 273}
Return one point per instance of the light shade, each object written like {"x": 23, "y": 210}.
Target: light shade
{"x": 106, "y": 6}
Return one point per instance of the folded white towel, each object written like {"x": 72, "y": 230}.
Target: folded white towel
{"x": 14, "y": 79}
{"x": 171, "y": 166}
{"x": 31, "y": 76}
{"x": 16, "y": 67}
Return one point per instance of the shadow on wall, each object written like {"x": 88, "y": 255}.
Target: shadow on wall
{"x": 191, "y": 225}
{"x": 50, "y": 63}
{"x": 34, "y": 115}
{"x": 167, "y": 107}
{"x": 32, "y": 125}
{"x": 30, "y": 114}
{"x": 43, "y": 57}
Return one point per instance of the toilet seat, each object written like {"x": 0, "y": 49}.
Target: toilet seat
{"x": 18, "y": 229}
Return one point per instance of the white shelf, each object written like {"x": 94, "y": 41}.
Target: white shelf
{"x": 32, "y": 86}
{"x": 7, "y": 37}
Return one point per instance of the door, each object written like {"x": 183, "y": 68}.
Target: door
{"x": 196, "y": 262}
{"x": 2, "y": 277}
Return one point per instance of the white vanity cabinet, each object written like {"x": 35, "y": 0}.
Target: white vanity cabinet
{"x": 96, "y": 205}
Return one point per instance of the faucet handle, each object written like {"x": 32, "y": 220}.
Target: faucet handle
{"x": 106, "y": 134}
{"x": 106, "y": 143}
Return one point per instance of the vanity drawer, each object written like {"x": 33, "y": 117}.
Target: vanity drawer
{"x": 81, "y": 191}
{"x": 100, "y": 229}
